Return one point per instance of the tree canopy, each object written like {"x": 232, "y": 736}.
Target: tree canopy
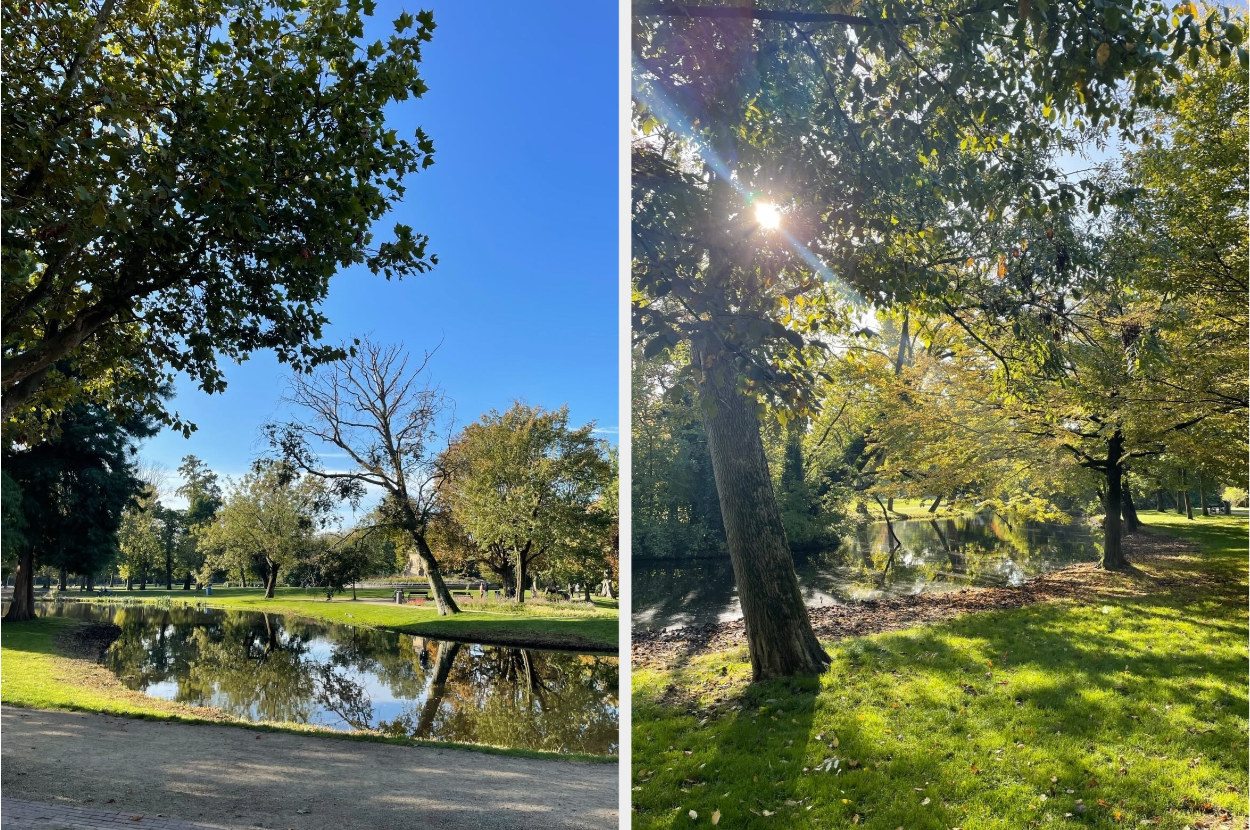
{"x": 182, "y": 180}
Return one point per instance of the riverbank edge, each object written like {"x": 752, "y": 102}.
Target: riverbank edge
{"x": 44, "y": 656}
{"x": 471, "y": 629}
{"x": 656, "y": 649}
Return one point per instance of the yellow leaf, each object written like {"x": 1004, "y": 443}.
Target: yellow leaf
{"x": 1103, "y": 54}
{"x": 716, "y": 817}
{"x": 971, "y": 262}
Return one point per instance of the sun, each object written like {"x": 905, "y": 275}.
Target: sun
{"x": 767, "y": 215}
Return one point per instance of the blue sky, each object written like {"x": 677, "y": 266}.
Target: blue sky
{"x": 521, "y": 208}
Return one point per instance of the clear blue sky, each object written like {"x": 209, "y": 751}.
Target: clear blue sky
{"x": 521, "y": 208}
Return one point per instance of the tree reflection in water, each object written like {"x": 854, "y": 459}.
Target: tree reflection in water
{"x": 266, "y": 667}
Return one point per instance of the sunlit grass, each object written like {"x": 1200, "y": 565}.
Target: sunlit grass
{"x": 1104, "y": 714}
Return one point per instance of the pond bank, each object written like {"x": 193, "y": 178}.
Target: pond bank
{"x": 51, "y": 663}
{"x": 232, "y": 777}
{"x": 530, "y": 625}
{"x": 874, "y": 616}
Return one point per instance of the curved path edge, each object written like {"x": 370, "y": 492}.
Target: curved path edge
{"x": 232, "y": 777}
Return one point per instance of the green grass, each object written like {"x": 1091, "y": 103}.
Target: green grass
{"x": 552, "y": 625}
{"x": 1135, "y": 704}
{"x": 37, "y": 675}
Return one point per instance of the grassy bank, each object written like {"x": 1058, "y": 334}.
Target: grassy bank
{"x": 575, "y": 626}
{"x": 38, "y": 673}
{"x": 1124, "y": 710}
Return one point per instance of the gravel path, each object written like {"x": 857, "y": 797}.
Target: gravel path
{"x": 233, "y": 777}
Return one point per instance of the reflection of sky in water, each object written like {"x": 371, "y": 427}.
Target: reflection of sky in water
{"x": 935, "y": 555}
{"x": 259, "y": 667}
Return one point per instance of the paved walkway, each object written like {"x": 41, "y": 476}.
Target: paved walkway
{"x": 34, "y": 815}
{"x": 233, "y": 777}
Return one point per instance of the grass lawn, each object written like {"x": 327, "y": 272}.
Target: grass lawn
{"x": 36, "y": 674}
{"x": 575, "y": 626}
{"x": 1129, "y": 710}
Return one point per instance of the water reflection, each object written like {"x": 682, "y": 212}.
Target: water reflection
{"x": 268, "y": 667}
{"x": 929, "y": 555}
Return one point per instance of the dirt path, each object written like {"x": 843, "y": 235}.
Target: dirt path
{"x": 236, "y": 778}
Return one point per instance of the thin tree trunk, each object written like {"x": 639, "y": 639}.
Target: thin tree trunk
{"x": 778, "y": 630}
{"x": 23, "y": 606}
{"x": 1202, "y": 496}
{"x": 442, "y": 597}
{"x": 520, "y": 573}
{"x": 1180, "y": 503}
{"x": 889, "y": 504}
{"x": 1112, "y": 547}
{"x": 1189, "y": 508}
{"x": 933, "y": 507}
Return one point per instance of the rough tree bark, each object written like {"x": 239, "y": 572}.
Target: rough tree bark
{"x": 1112, "y": 548}
{"x": 23, "y": 606}
{"x": 271, "y": 581}
{"x": 442, "y": 597}
{"x": 779, "y": 633}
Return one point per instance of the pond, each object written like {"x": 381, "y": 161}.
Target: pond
{"x": 934, "y": 555}
{"x": 275, "y": 668}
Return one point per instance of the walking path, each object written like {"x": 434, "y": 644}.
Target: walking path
{"x": 232, "y": 777}
{"x": 33, "y": 815}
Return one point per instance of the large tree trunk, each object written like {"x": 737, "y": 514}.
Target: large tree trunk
{"x": 1112, "y": 547}
{"x": 130, "y": 581}
{"x": 186, "y": 583}
{"x": 1159, "y": 500}
{"x": 933, "y": 507}
{"x": 442, "y": 597}
{"x": 23, "y": 606}
{"x": 62, "y": 578}
{"x": 271, "y": 581}
{"x": 778, "y": 630}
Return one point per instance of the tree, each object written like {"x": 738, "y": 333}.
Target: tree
{"x": 885, "y": 139}
{"x": 139, "y": 540}
{"x": 269, "y": 521}
{"x": 203, "y": 494}
{"x": 372, "y": 407}
{"x": 70, "y": 490}
{"x": 522, "y": 485}
{"x": 181, "y": 181}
